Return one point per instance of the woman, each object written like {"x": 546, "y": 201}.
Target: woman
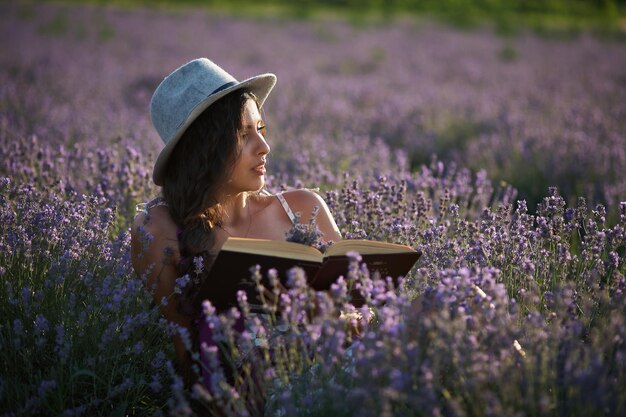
{"x": 212, "y": 173}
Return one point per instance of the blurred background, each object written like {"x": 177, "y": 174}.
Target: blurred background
{"x": 602, "y": 15}
{"x": 527, "y": 93}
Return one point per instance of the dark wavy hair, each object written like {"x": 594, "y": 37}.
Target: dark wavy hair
{"x": 195, "y": 176}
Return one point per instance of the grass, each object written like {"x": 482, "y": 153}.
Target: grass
{"x": 558, "y": 18}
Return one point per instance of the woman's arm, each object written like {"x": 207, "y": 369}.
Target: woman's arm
{"x": 155, "y": 255}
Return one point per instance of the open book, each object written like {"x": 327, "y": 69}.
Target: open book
{"x": 231, "y": 270}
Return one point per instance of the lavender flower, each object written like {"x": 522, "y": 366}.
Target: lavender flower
{"x": 509, "y": 297}
{"x": 307, "y": 234}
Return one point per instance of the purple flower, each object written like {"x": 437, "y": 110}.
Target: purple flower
{"x": 45, "y": 387}
{"x": 18, "y": 328}
{"x": 155, "y": 384}
{"x": 41, "y": 325}
{"x": 181, "y": 283}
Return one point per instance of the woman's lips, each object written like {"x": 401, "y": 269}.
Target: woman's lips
{"x": 260, "y": 170}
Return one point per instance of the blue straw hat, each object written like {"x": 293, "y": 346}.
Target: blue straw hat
{"x": 184, "y": 94}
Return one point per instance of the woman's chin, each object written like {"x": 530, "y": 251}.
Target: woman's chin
{"x": 256, "y": 186}
{"x": 247, "y": 187}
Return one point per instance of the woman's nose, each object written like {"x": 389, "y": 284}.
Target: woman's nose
{"x": 264, "y": 147}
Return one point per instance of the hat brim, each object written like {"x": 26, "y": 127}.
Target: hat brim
{"x": 260, "y": 86}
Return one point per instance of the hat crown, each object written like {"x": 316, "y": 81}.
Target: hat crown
{"x": 182, "y": 91}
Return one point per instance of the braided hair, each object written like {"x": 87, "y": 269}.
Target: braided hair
{"x": 197, "y": 172}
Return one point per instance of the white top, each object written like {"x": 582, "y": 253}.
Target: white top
{"x": 159, "y": 201}
{"x": 283, "y": 202}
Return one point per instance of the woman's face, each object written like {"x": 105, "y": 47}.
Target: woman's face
{"x": 249, "y": 169}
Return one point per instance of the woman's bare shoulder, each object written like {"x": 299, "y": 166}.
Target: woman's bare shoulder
{"x": 306, "y": 201}
{"x": 154, "y": 236}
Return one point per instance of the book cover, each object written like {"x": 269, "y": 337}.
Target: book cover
{"x": 231, "y": 270}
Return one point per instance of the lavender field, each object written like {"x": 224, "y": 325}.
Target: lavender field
{"x": 501, "y": 158}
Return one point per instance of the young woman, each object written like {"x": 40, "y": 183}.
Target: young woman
{"x": 212, "y": 173}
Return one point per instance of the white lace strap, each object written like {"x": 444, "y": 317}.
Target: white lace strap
{"x": 285, "y": 205}
{"x": 144, "y": 207}
{"x": 141, "y": 208}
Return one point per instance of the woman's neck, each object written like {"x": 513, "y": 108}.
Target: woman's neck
{"x": 237, "y": 211}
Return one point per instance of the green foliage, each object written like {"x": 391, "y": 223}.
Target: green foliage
{"x": 507, "y": 53}
{"x": 552, "y": 18}
{"x": 57, "y": 26}
{"x": 106, "y": 32}
{"x": 77, "y": 332}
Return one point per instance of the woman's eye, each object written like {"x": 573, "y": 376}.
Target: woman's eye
{"x": 260, "y": 129}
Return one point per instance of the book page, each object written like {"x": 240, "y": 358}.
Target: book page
{"x": 365, "y": 247}
{"x": 277, "y": 248}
